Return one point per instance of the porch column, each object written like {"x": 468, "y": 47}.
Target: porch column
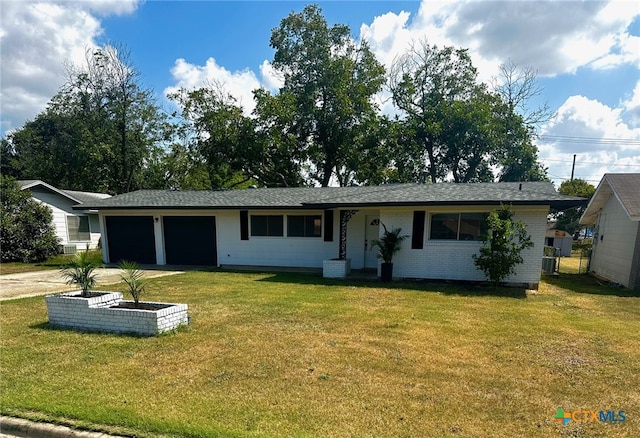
{"x": 345, "y": 217}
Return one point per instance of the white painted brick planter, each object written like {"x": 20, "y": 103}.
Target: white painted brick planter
{"x": 336, "y": 268}
{"x": 101, "y": 314}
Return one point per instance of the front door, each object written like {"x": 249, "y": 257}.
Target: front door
{"x": 372, "y": 232}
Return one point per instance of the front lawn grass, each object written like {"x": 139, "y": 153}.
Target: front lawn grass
{"x": 280, "y": 355}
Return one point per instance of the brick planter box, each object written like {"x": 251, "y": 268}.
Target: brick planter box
{"x": 104, "y": 313}
{"x": 336, "y": 268}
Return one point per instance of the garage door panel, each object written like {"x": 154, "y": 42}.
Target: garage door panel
{"x": 190, "y": 240}
{"x": 131, "y": 238}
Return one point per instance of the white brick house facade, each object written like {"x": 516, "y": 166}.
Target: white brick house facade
{"x": 305, "y": 227}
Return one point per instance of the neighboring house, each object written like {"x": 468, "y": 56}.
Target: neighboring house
{"x": 559, "y": 239}
{"x": 302, "y": 227}
{"x": 76, "y": 228}
{"x": 614, "y": 211}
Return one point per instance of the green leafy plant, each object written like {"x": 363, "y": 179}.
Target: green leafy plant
{"x": 81, "y": 271}
{"x": 27, "y": 233}
{"x": 389, "y": 244}
{"x": 133, "y": 277}
{"x": 503, "y": 242}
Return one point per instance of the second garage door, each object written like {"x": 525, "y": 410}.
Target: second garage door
{"x": 190, "y": 240}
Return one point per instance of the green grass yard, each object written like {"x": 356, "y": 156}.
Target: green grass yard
{"x": 279, "y": 355}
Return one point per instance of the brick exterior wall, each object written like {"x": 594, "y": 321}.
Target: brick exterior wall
{"x": 336, "y": 268}
{"x": 452, "y": 260}
{"x": 98, "y": 314}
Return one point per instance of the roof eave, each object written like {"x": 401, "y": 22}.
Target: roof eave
{"x": 50, "y": 188}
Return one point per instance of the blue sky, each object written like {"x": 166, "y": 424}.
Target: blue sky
{"x": 587, "y": 55}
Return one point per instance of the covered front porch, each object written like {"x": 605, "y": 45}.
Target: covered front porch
{"x": 356, "y": 254}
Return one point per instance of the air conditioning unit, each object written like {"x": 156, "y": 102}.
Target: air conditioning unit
{"x": 549, "y": 265}
{"x": 69, "y": 249}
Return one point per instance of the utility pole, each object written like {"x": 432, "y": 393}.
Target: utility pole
{"x": 574, "y": 166}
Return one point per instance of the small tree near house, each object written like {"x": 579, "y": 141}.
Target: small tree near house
{"x": 503, "y": 243}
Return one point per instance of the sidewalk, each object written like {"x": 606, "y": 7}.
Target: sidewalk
{"x": 17, "y": 427}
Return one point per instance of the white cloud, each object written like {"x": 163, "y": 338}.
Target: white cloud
{"x": 553, "y": 37}
{"x": 597, "y": 134}
{"x": 632, "y": 107}
{"x": 271, "y": 79}
{"x": 36, "y": 40}
{"x": 239, "y": 84}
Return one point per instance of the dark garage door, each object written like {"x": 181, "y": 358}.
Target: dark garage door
{"x": 131, "y": 238}
{"x": 190, "y": 240}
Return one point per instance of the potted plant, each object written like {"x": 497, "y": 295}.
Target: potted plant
{"x": 389, "y": 244}
{"x": 80, "y": 271}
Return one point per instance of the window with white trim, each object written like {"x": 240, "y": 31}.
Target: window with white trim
{"x": 78, "y": 228}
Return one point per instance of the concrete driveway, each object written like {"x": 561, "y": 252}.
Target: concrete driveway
{"x": 30, "y": 284}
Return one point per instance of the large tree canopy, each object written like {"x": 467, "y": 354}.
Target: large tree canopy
{"x": 103, "y": 131}
{"x": 331, "y": 81}
{"x": 459, "y": 128}
{"x": 98, "y": 132}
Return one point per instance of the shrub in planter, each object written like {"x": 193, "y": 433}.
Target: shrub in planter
{"x": 132, "y": 276}
{"x": 81, "y": 272}
{"x": 388, "y": 245}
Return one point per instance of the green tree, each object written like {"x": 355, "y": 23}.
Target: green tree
{"x": 425, "y": 81}
{"x": 217, "y": 134}
{"x": 503, "y": 243}
{"x": 26, "y": 226}
{"x": 277, "y": 155}
{"x": 518, "y": 156}
{"x": 455, "y": 126}
{"x": 569, "y": 220}
{"x": 331, "y": 81}
{"x": 98, "y": 132}
{"x": 9, "y": 164}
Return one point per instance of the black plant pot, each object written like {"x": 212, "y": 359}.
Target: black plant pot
{"x": 386, "y": 272}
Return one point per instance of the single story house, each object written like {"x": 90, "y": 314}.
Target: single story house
{"x": 305, "y": 227}
{"x": 77, "y": 228}
{"x": 614, "y": 213}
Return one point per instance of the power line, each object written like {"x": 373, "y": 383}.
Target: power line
{"x": 590, "y": 163}
{"x": 591, "y": 140}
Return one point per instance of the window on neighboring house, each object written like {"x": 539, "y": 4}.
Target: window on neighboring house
{"x": 458, "y": 226}
{"x": 78, "y": 228}
{"x": 267, "y": 225}
{"x": 304, "y": 226}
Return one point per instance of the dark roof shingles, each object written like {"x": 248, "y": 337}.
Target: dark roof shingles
{"x": 329, "y": 197}
{"x": 627, "y": 188}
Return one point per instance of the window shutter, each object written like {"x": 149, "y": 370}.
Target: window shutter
{"x": 244, "y": 225}
{"x": 417, "y": 237}
{"x": 328, "y": 225}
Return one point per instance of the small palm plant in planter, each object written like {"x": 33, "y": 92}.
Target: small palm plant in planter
{"x": 132, "y": 276}
{"x": 81, "y": 271}
{"x": 388, "y": 245}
